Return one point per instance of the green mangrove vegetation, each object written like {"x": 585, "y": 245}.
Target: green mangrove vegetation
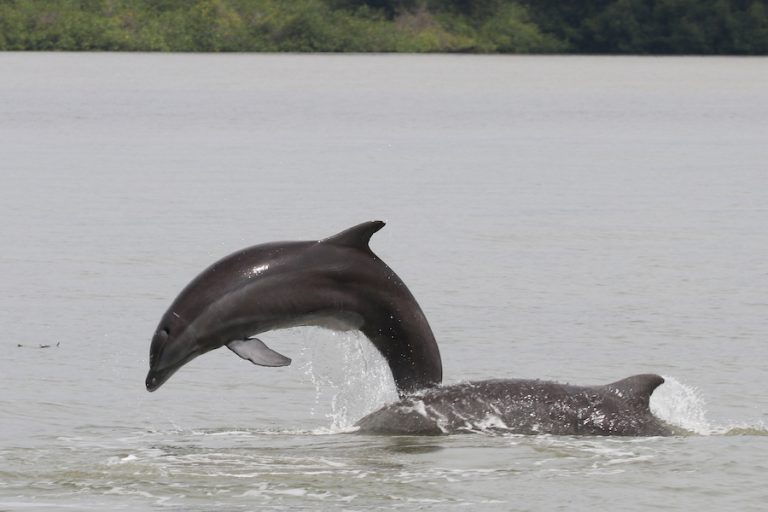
{"x": 473, "y": 26}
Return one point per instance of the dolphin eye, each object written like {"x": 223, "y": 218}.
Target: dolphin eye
{"x": 164, "y": 332}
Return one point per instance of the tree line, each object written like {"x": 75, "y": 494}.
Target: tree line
{"x": 736, "y": 27}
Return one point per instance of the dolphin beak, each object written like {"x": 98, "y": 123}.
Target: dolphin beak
{"x": 156, "y": 378}
{"x": 153, "y": 381}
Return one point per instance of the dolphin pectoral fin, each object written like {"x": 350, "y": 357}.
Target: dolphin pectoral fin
{"x": 254, "y": 350}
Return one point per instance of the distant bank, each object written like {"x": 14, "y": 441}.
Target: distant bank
{"x": 704, "y": 27}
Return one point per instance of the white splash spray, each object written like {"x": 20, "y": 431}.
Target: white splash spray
{"x": 682, "y": 406}
{"x": 347, "y": 372}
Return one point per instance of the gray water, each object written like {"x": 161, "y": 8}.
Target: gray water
{"x": 567, "y": 218}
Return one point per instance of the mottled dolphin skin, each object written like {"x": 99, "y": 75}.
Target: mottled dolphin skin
{"x": 524, "y": 407}
{"x": 337, "y": 283}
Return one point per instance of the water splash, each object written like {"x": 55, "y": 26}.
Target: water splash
{"x": 348, "y": 373}
{"x": 680, "y": 405}
{"x": 683, "y": 406}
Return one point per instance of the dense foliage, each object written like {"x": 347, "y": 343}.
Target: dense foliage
{"x": 656, "y": 26}
{"x": 508, "y": 26}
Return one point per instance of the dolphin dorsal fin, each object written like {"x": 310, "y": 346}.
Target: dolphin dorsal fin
{"x": 637, "y": 389}
{"x": 357, "y": 236}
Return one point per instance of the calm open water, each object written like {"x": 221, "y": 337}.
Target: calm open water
{"x": 569, "y": 218}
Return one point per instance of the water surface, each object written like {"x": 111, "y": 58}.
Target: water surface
{"x": 569, "y": 218}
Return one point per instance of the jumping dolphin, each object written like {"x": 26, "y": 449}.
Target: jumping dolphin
{"x": 337, "y": 283}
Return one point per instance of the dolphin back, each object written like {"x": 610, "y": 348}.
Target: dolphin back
{"x": 393, "y": 320}
{"x": 520, "y": 406}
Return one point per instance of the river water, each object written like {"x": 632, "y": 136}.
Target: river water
{"x": 568, "y": 218}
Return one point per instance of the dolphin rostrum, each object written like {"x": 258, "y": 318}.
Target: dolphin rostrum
{"x": 337, "y": 282}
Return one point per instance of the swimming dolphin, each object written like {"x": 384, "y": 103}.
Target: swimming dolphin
{"x": 524, "y": 407}
{"x": 337, "y": 282}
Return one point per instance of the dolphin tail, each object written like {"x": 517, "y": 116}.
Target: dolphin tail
{"x": 637, "y": 389}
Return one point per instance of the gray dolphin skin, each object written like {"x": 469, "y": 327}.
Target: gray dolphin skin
{"x": 524, "y": 407}
{"x": 337, "y": 283}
